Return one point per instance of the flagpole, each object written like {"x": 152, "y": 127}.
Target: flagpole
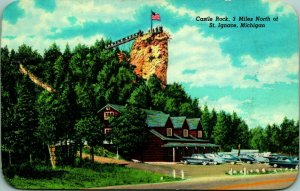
{"x": 151, "y": 20}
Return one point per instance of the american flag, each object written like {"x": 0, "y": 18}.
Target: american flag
{"x": 155, "y": 16}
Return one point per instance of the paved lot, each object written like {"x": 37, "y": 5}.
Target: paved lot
{"x": 198, "y": 177}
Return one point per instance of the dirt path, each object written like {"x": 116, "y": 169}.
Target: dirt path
{"x": 105, "y": 160}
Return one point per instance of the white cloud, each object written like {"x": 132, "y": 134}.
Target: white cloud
{"x": 226, "y": 103}
{"x": 254, "y": 115}
{"x": 274, "y": 114}
{"x": 181, "y": 11}
{"x": 279, "y": 7}
{"x": 271, "y": 69}
{"x": 191, "y": 50}
{"x": 37, "y": 24}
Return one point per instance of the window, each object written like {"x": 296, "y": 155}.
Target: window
{"x": 107, "y": 131}
{"x": 169, "y": 131}
{"x": 108, "y": 114}
{"x": 185, "y": 132}
{"x": 199, "y": 134}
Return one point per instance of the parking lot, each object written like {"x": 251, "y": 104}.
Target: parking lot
{"x": 207, "y": 177}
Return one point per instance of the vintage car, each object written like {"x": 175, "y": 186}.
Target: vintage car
{"x": 196, "y": 159}
{"x": 260, "y": 158}
{"x": 216, "y": 158}
{"x": 247, "y": 159}
{"x": 229, "y": 158}
{"x": 283, "y": 161}
{"x": 296, "y": 159}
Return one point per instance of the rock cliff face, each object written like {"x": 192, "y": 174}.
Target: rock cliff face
{"x": 149, "y": 53}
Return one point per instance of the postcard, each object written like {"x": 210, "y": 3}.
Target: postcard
{"x": 131, "y": 94}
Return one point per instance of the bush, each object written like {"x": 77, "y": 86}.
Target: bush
{"x": 9, "y": 171}
{"x": 77, "y": 162}
{"x": 100, "y": 151}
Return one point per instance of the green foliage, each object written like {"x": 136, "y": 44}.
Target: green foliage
{"x": 86, "y": 78}
{"x": 257, "y": 139}
{"x": 283, "y": 138}
{"x": 205, "y": 119}
{"x": 25, "y": 119}
{"x": 88, "y": 176}
{"x": 140, "y": 97}
{"x": 230, "y": 131}
{"x": 190, "y": 109}
{"x": 91, "y": 130}
{"x": 129, "y": 131}
{"x": 289, "y": 136}
{"x": 101, "y": 151}
{"x": 221, "y": 131}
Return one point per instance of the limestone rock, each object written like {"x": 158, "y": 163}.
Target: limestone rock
{"x": 149, "y": 54}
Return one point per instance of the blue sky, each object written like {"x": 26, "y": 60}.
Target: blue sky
{"x": 251, "y": 71}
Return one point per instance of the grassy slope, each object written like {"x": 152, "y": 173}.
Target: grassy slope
{"x": 97, "y": 176}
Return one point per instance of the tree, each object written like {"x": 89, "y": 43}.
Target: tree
{"x": 9, "y": 72}
{"x": 221, "y": 132}
{"x": 154, "y": 85}
{"x": 212, "y": 123}
{"x": 25, "y": 118}
{"x": 205, "y": 120}
{"x": 177, "y": 92}
{"x": 91, "y": 130}
{"x": 171, "y": 106}
{"x": 289, "y": 136}
{"x": 159, "y": 101}
{"x": 257, "y": 139}
{"x": 234, "y": 131}
{"x": 129, "y": 131}
{"x": 272, "y": 138}
{"x": 140, "y": 97}
{"x": 243, "y": 135}
{"x": 49, "y": 58}
{"x": 31, "y": 59}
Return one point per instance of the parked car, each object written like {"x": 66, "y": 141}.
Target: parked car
{"x": 197, "y": 159}
{"x": 273, "y": 156}
{"x": 216, "y": 158}
{"x": 229, "y": 158}
{"x": 296, "y": 159}
{"x": 283, "y": 161}
{"x": 260, "y": 159}
{"x": 247, "y": 159}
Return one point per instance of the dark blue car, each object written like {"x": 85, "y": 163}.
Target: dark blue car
{"x": 283, "y": 161}
{"x": 247, "y": 159}
{"x": 197, "y": 159}
{"x": 229, "y": 158}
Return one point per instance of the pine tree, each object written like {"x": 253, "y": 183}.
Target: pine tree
{"x": 25, "y": 117}
{"x": 205, "y": 120}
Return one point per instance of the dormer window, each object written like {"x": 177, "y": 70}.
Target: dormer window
{"x": 108, "y": 114}
{"x": 169, "y": 132}
{"x": 185, "y": 133}
{"x": 200, "y": 134}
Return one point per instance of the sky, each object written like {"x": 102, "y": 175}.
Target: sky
{"x": 253, "y": 72}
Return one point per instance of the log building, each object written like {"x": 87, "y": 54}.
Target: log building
{"x": 170, "y": 138}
